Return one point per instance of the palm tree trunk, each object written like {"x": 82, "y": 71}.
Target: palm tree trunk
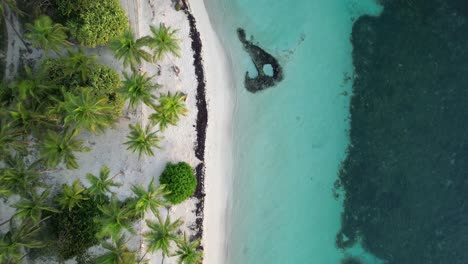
{"x": 163, "y": 257}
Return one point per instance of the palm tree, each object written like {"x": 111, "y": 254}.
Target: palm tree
{"x": 114, "y": 219}
{"x": 46, "y": 34}
{"x": 13, "y": 243}
{"x": 79, "y": 63}
{"x": 18, "y": 177}
{"x": 151, "y": 198}
{"x": 118, "y": 253}
{"x": 161, "y": 234}
{"x": 30, "y": 88}
{"x": 100, "y": 186}
{"x": 28, "y": 120}
{"x": 60, "y": 147}
{"x": 10, "y": 139}
{"x": 129, "y": 49}
{"x": 33, "y": 206}
{"x": 142, "y": 141}
{"x": 188, "y": 252}
{"x": 72, "y": 196}
{"x": 87, "y": 111}
{"x": 168, "y": 112}
{"x": 137, "y": 88}
{"x": 163, "y": 41}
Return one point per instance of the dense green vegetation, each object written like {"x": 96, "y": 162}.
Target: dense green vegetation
{"x": 43, "y": 113}
{"x": 93, "y": 23}
{"x": 179, "y": 180}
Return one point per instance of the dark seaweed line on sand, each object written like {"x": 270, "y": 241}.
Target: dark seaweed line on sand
{"x": 201, "y": 124}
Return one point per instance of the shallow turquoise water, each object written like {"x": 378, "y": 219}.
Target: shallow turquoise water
{"x": 290, "y": 139}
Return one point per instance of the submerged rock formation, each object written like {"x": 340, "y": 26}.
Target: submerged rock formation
{"x": 260, "y": 58}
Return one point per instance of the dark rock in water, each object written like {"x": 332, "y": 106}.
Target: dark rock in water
{"x": 260, "y": 58}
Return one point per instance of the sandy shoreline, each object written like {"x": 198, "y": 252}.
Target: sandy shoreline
{"x": 219, "y": 137}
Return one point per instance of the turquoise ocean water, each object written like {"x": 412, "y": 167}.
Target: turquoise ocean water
{"x": 290, "y": 139}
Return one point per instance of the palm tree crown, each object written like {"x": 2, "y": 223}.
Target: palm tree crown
{"x": 47, "y": 35}
{"x": 18, "y": 238}
{"x": 87, "y": 111}
{"x": 168, "y": 112}
{"x": 142, "y": 141}
{"x": 33, "y": 206}
{"x": 163, "y": 41}
{"x": 129, "y": 49}
{"x": 18, "y": 177}
{"x": 118, "y": 253}
{"x": 161, "y": 235}
{"x": 72, "y": 196}
{"x": 188, "y": 252}
{"x": 152, "y": 198}
{"x": 100, "y": 186}
{"x": 137, "y": 88}
{"x": 60, "y": 147}
{"x": 114, "y": 219}
{"x": 79, "y": 63}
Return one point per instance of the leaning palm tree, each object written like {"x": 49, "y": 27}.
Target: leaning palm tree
{"x": 32, "y": 206}
{"x": 188, "y": 252}
{"x": 163, "y": 41}
{"x": 138, "y": 88}
{"x": 46, "y": 34}
{"x": 168, "y": 112}
{"x": 151, "y": 198}
{"x": 118, "y": 253}
{"x": 72, "y": 196}
{"x": 13, "y": 243}
{"x": 161, "y": 235}
{"x": 114, "y": 219}
{"x": 61, "y": 147}
{"x": 18, "y": 177}
{"x": 87, "y": 111}
{"x": 100, "y": 186}
{"x": 142, "y": 141}
{"x": 130, "y": 50}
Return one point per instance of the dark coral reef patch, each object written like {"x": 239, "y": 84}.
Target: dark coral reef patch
{"x": 260, "y": 58}
{"x": 405, "y": 175}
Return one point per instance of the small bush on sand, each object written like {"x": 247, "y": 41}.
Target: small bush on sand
{"x": 180, "y": 181}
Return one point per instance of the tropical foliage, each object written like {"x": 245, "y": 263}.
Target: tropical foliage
{"x": 169, "y": 110}
{"x": 13, "y": 243}
{"x": 130, "y": 50}
{"x": 19, "y": 178}
{"x": 179, "y": 180}
{"x": 114, "y": 219}
{"x": 72, "y": 196}
{"x": 117, "y": 253}
{"x": 151, "y": 198}
{"x": 142, "y": 140}
{"x": 33, "y": 205}
{"x": 188, "y": 252}
{"x": 87, "y": 111}
{"x": 162, "y": 234}
{"x": 46, "y": 34}
{"x": 163, "y": 41}
{"x": 100, "y": 186}
{"x": 74, "y": 231}
{"x": 58, "y": 147}
{"x": 138, "y": 88}
{"x": 94, "y": 23}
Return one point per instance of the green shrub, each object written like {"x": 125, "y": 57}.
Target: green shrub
{"x": 93, "y": 22}
{"x": 103, "y": 80}
{"x": 180, "y": 181}
{"x": 75, "y": 231}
